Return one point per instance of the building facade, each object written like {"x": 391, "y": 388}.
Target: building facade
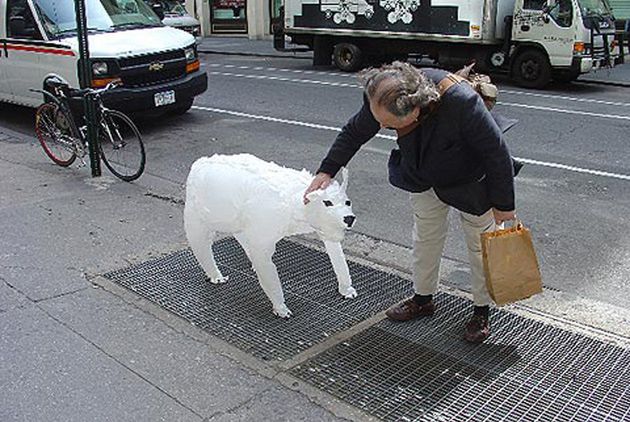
{"x": 251, "y": 18}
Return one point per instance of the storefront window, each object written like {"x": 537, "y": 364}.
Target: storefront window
{"x": 229, "y": 16}
{"x": 275, "y": 8}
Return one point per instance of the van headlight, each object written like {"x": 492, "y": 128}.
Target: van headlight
{"x": 191, "y": 54}
{"x": 100, "y": 69}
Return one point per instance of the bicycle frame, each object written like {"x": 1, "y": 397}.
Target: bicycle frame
{"x": 62, "y": 100}
{"x": 111, "y": 127}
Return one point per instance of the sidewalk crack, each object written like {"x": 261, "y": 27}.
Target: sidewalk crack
{"x": 240, "y": 405}
{"x": 128, "y": 368}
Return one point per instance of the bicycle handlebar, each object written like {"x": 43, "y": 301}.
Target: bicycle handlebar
{"x": 74, "y": 93}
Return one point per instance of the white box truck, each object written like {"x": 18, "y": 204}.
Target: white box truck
{"x": 532, "y": 40}
{"x": 157, "y": 66}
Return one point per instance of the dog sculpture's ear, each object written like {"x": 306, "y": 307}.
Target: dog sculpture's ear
{"x": 344, "y": 183}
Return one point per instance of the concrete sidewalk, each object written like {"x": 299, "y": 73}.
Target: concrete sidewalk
{"x": 619, "y": 75}
{"x": 75, "y": 347}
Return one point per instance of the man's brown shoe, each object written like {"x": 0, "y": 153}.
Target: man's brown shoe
{"x": 477, "y": 329}
{"x": 408, "y": 310}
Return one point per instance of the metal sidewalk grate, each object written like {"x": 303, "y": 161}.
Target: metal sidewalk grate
{"x": 424, "y": 371}
{"x": 240, "y": 313}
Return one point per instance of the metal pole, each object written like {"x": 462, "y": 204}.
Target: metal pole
{"x": 85, "y": 80}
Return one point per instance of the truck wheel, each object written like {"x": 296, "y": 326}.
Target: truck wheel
{"x": 531, "y": 69}
{"x": 347, "y": 57}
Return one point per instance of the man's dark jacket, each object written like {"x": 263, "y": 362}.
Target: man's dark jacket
{"x": 457, "y": 150}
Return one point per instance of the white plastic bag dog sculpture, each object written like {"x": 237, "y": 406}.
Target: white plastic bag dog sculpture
{"x": 259, "y": 203}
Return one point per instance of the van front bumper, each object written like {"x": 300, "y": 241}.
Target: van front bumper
{"x": 143, "y": 98}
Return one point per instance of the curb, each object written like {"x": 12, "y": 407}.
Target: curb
{"x": 246, "y": 54}
{"x": 608, "y": 83}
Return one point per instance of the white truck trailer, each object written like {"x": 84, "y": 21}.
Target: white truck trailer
{"x": 532, "y": 40}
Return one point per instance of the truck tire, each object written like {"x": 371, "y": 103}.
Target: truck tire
{"x": 347, "y": 57}
{"x": 531, "y": 69}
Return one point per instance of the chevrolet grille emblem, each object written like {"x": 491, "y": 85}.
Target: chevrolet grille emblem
{"x": 156, "y": 67}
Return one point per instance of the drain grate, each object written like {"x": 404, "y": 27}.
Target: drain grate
{"x": 240, "y": 313}
{"x": 424, "y": 371}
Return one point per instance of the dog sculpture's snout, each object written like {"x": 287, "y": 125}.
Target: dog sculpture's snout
{"x": 349, "y": 220}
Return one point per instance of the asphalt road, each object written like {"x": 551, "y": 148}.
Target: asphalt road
{"x": 573, "y": 194}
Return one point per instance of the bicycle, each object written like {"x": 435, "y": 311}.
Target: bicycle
{"x": 118, "y": 139}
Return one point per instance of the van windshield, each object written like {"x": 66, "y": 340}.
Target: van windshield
{"x": 59, "y": 19}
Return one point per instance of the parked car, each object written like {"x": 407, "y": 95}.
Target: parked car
{"x": 157, "y": 66}
{"x": 173, "y": 13}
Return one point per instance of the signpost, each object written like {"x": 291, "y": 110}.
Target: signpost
{"x": 85, "y": 81}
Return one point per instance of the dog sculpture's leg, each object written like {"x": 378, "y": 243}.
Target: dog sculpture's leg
{"x": 338, "y": 260}
{"x": 259, "y": 254}
{"x": 200, "y": 241}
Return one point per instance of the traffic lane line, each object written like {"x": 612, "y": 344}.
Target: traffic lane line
{"x": 345, "y": 76}
{"x": 525, "y": 160}
{"x": 357, "y": 86}
{"x": 542, "y": 135}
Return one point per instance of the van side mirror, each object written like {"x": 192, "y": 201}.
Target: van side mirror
{"x": 158, "y": 10}
{"x": 17, "y": 26}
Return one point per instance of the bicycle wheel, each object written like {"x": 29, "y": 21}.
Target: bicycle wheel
{"x": 56, "y": 133}
{"x": 121, "y": 146}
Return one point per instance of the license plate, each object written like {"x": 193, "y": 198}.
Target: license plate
{"x": 164, "y": 98}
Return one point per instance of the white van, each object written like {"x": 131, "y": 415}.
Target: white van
{"x": 173, "y": 13}
{"x": 157, "y": 66}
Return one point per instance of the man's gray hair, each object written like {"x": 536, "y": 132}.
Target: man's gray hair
{"x": 399, "y": 87}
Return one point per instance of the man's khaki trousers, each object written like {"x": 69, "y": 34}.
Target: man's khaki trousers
{"x": 430, "y": 228}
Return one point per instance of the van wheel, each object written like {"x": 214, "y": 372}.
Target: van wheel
{"x": 531, "y": 69}
{"x": 182, "y": 108}
{"x": 347, "y": 57}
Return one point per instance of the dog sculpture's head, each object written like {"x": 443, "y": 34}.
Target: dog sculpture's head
{"x": 329, "y": 211}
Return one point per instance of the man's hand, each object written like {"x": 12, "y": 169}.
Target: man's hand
{"x": 501, "y": 216}
{"x": 320, "y": 181}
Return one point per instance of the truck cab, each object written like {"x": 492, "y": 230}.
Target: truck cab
{"x": 560, "y": 39}
{"x": 157, "y": 66}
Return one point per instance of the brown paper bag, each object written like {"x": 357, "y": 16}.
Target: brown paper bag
{"x": 510, "y": 264}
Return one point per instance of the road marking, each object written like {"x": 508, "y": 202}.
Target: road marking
{"x": 279, "y": 69}
{"x": 391, "y": 137}
{"x": 502, "y": 91}
{"x": 282, "y": 79}
{"x": 561, "y": 110}
{"x": 357, "y": 86}
{"x": 563, "y": 97}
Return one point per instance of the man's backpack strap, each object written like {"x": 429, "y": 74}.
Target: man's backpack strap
{"x": 442, "y": 86}
{"x": 448, "y": 81}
